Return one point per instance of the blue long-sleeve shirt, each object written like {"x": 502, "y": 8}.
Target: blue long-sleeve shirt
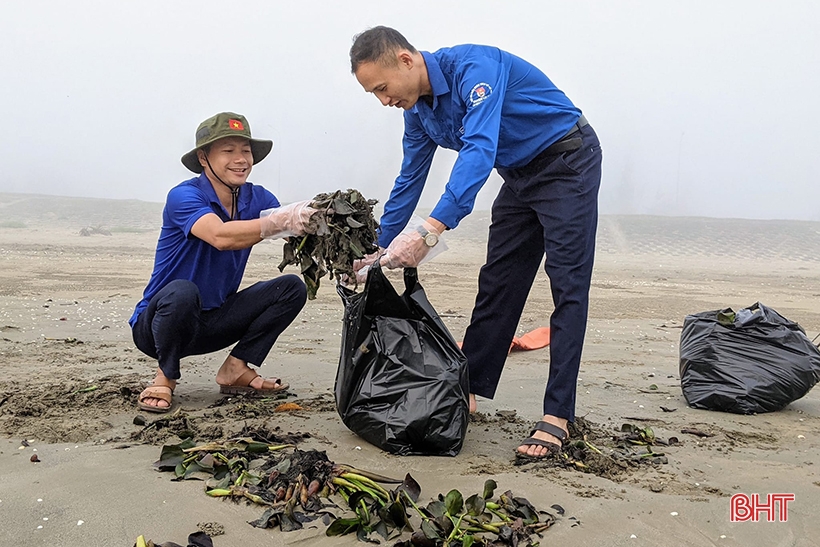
{"x": 494, "y": 108}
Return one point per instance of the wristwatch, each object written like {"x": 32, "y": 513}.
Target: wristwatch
{"x": 430, "y": 238}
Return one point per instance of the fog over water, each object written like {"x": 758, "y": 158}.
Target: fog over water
{"x": 703, "y": 108}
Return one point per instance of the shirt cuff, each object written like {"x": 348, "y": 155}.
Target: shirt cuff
{"x": 448, "y": 213}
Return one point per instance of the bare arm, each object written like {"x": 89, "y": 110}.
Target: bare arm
{"x": 227, "y": 236}
{"x": 437, "y": 224}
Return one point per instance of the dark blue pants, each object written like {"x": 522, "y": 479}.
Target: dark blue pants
{"x": 174, "y": 325}
{"x": 549, "y": 206}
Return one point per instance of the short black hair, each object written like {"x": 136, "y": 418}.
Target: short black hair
{"x": 374, "y": 44}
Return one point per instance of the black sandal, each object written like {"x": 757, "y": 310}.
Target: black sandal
{"x": 546, "y": 427}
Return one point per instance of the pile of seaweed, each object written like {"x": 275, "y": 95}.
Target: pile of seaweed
{"x": 602, "y": 453}
{"x": 350, "y": 235}
{"x": 296, "y": 487}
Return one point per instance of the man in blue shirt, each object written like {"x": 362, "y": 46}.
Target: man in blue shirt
{"x": 498, "y": 111}
{"x": 191, "y": 305}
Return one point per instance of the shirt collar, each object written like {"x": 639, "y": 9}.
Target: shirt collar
{"x": 205, "y": 184}
{"x": 436, "y": 77}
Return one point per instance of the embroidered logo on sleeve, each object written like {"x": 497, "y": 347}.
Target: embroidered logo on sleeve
{"x": 479, "y": 93}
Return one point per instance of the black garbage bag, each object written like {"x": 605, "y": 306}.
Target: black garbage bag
{"x": 402, "y": 382}
{"x": 750, "y": 361}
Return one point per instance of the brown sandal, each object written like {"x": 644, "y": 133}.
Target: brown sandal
{"x": 242, "y": 385}
{"x": 156, "y": 392}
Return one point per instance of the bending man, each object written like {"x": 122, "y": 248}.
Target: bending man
{"x": 498, "y": 111}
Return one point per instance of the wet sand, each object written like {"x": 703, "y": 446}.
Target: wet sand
{"x": 66, "y": 299}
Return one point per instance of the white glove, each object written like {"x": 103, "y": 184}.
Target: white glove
{"x": 290, "y": 220}
{"x": 362, "y": 266}
{"x": 367, "y": 260}
{"x": 408, "y": 249}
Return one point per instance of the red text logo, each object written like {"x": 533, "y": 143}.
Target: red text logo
{"x": 775, "y": 508}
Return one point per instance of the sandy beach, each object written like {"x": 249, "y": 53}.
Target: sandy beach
{"x": 65, "y": 299}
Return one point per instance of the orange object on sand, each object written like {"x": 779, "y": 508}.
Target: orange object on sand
{"x": 535, "y": 339}
{"x": 287, "y": 407}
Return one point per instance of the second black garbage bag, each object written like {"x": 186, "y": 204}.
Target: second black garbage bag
{"x": 750, "y": 361}
{"x": 402, "y": 382}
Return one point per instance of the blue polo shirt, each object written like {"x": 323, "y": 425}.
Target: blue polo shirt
{"x": 181, "y": 255}
{"x": 494, "y": 108}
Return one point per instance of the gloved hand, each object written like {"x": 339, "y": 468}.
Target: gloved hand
{"x": 408, "y": 249}
{"x": 291, "y": 220}
{"x": 367, "y": 260}
{"x": 361, "y": 266}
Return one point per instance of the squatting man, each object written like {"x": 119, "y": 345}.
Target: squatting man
{"x": 192, "y": 304}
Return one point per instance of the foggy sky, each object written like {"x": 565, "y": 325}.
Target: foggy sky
{"x": 703, "y": 108}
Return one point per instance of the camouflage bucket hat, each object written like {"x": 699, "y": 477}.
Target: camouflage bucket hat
{"x": 225, "y": 124}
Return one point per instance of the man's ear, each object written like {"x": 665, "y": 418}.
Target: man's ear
{"x": 405, "y": 58}
{"x": 200, "y": 154}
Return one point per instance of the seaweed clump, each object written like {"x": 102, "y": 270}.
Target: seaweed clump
{"x": 350, "y": 235}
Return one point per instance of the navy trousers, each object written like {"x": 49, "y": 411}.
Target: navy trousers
{"x": 550, "y": 207}
{"x": 174, "y": 325}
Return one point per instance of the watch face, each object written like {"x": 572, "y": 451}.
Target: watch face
{"x": 431, "y": 239}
